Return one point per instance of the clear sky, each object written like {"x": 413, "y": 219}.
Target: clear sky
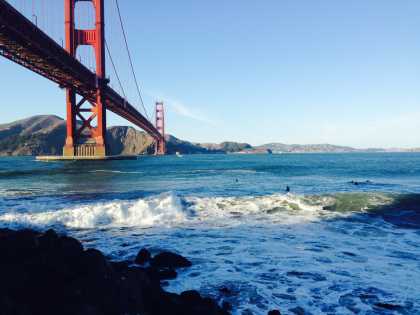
{"x": 258, "y": 71}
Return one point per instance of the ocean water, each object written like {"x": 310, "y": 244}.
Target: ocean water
{"x": 327, "y": 247}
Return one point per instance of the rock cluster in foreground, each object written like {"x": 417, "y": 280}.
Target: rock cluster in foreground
{"x": 44, "y": 273}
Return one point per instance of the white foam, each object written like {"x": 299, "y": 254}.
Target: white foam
{"x": 283, "y": 208}
{"x": 115, "y": 172}
{"x": 169, "y": 210}
{"x": 287, "y": 233}
{"x": 164, "y": 209}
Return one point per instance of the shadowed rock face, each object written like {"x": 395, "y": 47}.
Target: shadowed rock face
{"x": 128, "y": 141}
{"x": 33, "y": 136}
{"x": 45, "y": 273}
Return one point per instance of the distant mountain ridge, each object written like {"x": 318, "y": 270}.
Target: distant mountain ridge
{"x": 306, "y": 148}
{"x": 324, "y": 148}
{"x": 45, "y": 135}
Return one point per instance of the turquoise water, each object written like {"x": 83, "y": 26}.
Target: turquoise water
{"x": 345, "y": 240}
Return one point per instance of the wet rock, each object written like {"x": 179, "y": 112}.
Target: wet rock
{"x": 48, "y": 240}
{"x": 368, "y": 299}
{"x": 274, "y": 312}
{"x": 226, "y": 306}
{"x": 143, "y": 257}
{"x": 119, "y": 266}
{"x": 161, "y": 273}
{"x": 390, "y": 307}
{"x": 69, "y": 247}
{"x": 18, "y": 246}
{"x": 170, "y": 260}
{"x": 191, "y": 296}
{"x": 44, "y": 273}
{"x": 225, "y": 291}
{"x": 94, "y": 262}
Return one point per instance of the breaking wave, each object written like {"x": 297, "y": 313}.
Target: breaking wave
{"x": 293, "y": 248}
{"x": 164, "y": 210}
{"x": 168, "y": 209}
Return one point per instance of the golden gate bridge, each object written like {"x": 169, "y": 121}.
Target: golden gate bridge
{"x": 88, "y": 94}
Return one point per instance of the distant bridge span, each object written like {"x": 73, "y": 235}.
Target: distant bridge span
{"x": 24, "y": 43}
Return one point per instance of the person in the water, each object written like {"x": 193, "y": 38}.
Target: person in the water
{"x": 360, "y": 183}
{"x": 287, "y": 189}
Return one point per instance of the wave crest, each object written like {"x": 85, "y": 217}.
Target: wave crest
{"x": 164, "y": 209}
{"x": 168, "y": 209}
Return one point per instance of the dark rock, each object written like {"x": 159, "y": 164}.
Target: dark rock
{"x": 225, "y": 291}
{"x": 48, "y": 240}
{"x": 226, "y": 306}
{"x": 70, "y": 247}
{"x": 191, "y": 296}
{"x": 143, "y": 257}
{"x": 119, "y": 266}
{"x": 388, "y": 306}
{"x": 170, "y": 260}
{"x": 18, "y": 246}
{"x": 94, "y": 262}
{"x": 161, "y": 273}
{"x": 274, "y": 312}
{"x": 43, "y": 273}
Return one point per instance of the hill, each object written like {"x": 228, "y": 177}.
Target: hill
{"x": 45, "y": 135}
{"x": 306, "y": 148}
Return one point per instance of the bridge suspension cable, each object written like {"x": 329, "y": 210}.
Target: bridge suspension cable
{"x": 115, "y": 69}
{"x": 130, "y": 59}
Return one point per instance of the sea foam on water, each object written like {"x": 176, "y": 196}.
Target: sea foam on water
{"x": 295, "y": 250}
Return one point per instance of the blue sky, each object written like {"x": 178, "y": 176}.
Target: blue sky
{"x": 292, "y": 71}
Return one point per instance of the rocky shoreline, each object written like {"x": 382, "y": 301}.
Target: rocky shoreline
{"x": 48, "y": 273}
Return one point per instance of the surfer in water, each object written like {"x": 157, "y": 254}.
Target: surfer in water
{"x": 287, "y": 189}
{"x": 356, "y": 183}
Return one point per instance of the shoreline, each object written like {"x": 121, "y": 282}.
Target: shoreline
{"x": 48, "y": 273}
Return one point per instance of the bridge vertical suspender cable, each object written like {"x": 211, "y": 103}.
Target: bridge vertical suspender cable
{"x": 115, "y": 70}
{"x": 130, "y": 59}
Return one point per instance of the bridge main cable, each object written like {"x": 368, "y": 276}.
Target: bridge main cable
{"x": 130, "y": 59}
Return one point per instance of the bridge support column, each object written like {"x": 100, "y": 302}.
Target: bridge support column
{"x": 160, "y": 145}
{"x": 68, "y": 149}
{"x": 86, "y": 119}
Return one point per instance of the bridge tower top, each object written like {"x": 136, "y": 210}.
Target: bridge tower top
{"x": 95, "y": 37}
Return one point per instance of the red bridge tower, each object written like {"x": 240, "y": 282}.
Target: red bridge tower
{"x": 86, "y": 139}
{"x": 160, "y": 148}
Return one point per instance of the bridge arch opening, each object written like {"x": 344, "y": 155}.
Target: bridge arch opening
{"x": 86, "y": 55}
{"x": 84, "y": 15}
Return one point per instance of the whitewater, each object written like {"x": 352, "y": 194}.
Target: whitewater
{"x": 330, "y": 246}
